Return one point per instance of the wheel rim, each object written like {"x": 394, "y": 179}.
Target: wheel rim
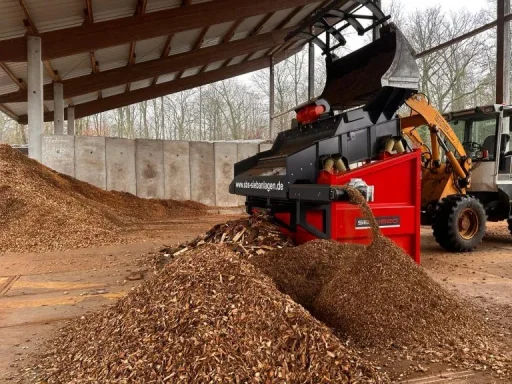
{"x": 468, "y": 224}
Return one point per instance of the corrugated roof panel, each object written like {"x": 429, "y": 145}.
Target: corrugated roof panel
{"x": 46, "y": 77}
{"x": 215, "y": 34}
{"x": 141, "y": 84}
{"x": 113, "y": 91}
{"x": 12, "y": 19}
{"x": 247, "y": 26}
{"x": 184, "y": 41}
{"x": 18, "y": 108}
{"x": 237, "y": 60}
{"x": 149, "y": 49}
{"x": 308, "y": 9}
{"x": 113, "y": 57}
{"x": 7, "y": 85}
{"x": 159, "y": 5}
{"x": 51, "y": 15}
{"x": 259, "y": 54}
{"x": 214, "y": 66}
{"x": 18, "y": 69}
{"x": 166, "y": 78}
{"x": 112, "y": 9}
{"x": 191, "y": 71}
{"x": 276, "y": 18}
{"x": 85, "y": 98}
{"x": 72, "y": 66}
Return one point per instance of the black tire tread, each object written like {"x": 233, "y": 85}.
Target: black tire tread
{"x": 444, "y": 227}
{"x": 510, "y": 226}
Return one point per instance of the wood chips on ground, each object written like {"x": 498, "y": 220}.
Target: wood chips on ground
{"x": 43, "y": 210}
{"x": 208, "y": 316}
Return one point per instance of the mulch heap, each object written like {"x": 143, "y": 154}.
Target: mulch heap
{"x": 209, "y": 316}
{"x": 43, "y": 210}
{"x": 242, "y": 304}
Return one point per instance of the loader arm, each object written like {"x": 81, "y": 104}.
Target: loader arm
{"x": 424, "y": 114}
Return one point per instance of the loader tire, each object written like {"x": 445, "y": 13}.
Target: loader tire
{"x": 459, "y": 223}
{"x": 510, "y": 225}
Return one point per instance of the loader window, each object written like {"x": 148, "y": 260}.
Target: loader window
{"x": 483, "y": 133}
{"x": 459, "y": 127}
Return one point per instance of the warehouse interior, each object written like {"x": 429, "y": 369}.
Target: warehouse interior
{"x": 182, "y": 261}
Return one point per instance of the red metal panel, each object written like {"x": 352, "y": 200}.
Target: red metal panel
{"x": 396, "y": 204}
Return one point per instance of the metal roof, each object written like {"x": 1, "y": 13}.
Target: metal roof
{"x": 117, "y": 52}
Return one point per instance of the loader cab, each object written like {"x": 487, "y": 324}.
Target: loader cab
{"x": 479, "y": 129}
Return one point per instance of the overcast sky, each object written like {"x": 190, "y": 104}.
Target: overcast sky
{"x": 472, "y": 5}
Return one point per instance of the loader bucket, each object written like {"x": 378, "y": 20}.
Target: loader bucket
{"x": 378, "y": 76}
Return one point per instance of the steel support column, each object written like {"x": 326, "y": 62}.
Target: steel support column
{"x": 271, "y": 101}
{"x": 58, "y": 105}
{"x": 376, "y": 30}
{"x": 311, "y": 69}
{"x": 507, "y": 56}
{"x": 71, "y": 120}
{"x": 500, "y": 53}
{"x": 35, "y": 98}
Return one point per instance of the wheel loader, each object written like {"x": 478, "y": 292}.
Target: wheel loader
{"x": 451, "y": 171}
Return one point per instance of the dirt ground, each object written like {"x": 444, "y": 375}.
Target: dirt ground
{"x": 39, "y": 292}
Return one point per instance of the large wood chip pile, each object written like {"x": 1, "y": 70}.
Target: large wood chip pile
{"x": 209, "y": 316}
{"x": 376, "y": 296}
{"x": 43, "y": 210}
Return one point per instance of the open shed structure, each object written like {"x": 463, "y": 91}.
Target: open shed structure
{"x": 66, "y": 59}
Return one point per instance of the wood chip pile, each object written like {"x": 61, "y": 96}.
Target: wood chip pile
{"x": 254, "y": 235}
{"x": 42, "y": 210}
{"x": 376, "y": 296}
{"x": 209, "y": 316}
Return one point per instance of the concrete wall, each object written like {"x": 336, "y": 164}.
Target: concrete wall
{"x": 120, "y": 166}
{"x": 149, "y": 168}
{"x": 226, "y": 155}
{"x": 179, "y": 170}
{"x": 202, "y": 172}
{"x": 59, "y": 154}
{"x": 90, "y": 163}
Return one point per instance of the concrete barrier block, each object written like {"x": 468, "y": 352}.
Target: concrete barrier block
{"x": 59, "y": 153}
{"x": 202, "y": 173}
{"x": 246, "y": 150}
{"x": 265, "y": 147}
{"x": 177, "y": 170}
{"x": 226, "y": 155}
{"x": 149, "y": 168}
{"x": 90, "y": 165}
{"x": 120, "y": 160}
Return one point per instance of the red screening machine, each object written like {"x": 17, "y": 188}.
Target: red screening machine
{"x": 349, "y": 135}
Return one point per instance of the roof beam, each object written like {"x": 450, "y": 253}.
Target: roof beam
{"x": 89, "y": 19}
{"x": 139, "y": 10}
{"x": 231, "y": 31}
{"x": 19, "y": 82}
{"x": 289, "y": 18}
{"x": 196, "y": 46}
{"x": 90, "y": 37}
{"x": 257, "y": 29}
{"x": 165, "y": 52}
{"x": 123, "y": 99}
{"x": 9, "y": 113}
{"x": 148, "y": 69}
{"x": 31, "y": 29}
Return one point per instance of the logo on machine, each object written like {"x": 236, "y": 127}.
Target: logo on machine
{"x": 383, "y": 221}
